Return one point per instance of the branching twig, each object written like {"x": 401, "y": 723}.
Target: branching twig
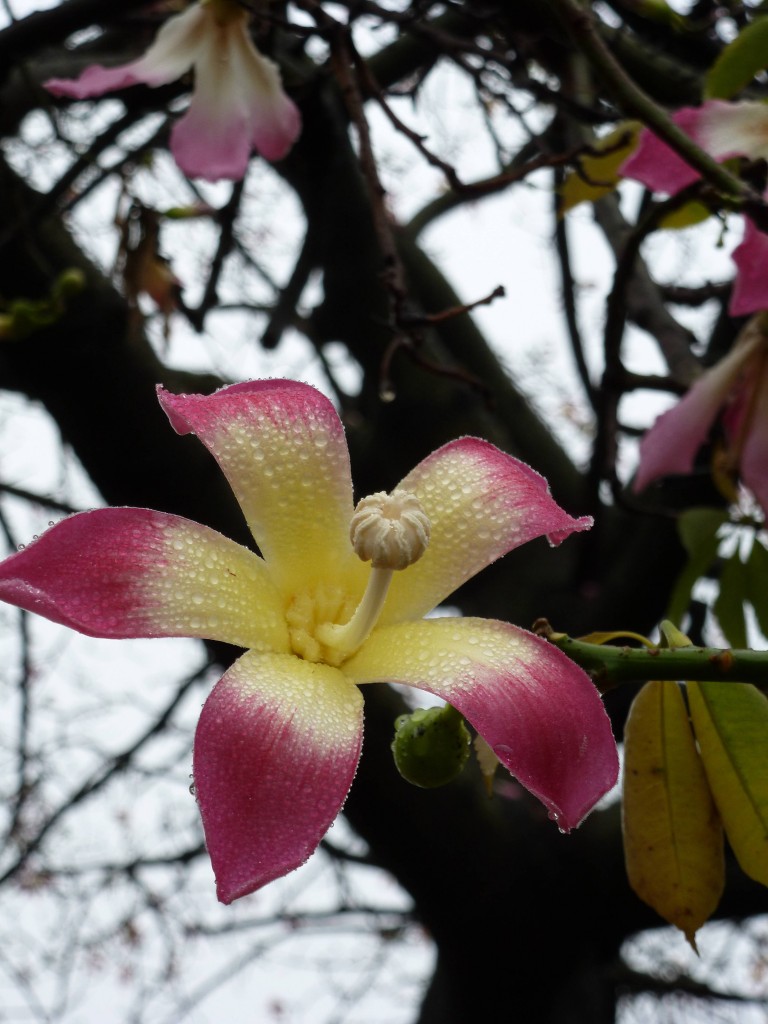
{"x": 115, "y": 765}
{"x": 227, "y": 217}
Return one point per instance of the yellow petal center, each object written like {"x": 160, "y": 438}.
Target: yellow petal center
{"x": 389, "y": 530}
{"x": 312, "y": 609}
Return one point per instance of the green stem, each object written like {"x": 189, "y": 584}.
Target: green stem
{"x": 581, "y": 24}
{"x": 610, "y": 666}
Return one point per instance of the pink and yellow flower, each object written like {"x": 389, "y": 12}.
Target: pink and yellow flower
{"x": 279, "y": 737}
{"x": 238, "y": 102}
{"x": 723, "y": 130}
{"x": 736, "y": 390}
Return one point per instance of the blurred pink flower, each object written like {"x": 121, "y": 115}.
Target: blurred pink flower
{"x": 723, "y": 130}
{"x": 279, "y": 738}
{"x": 238, "y": 103}
{"x": 735, "y": 389}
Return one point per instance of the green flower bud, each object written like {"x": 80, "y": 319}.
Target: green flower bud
{"x": 431, "y": 746}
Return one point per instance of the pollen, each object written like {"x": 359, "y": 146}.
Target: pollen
{"x": 391, "y": 531}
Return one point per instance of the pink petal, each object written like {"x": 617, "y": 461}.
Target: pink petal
{"x": 131, "y": 572}
{"x": 657, "y": 166}
{"x": 212, "y": 140}
{"x": 282, "y": 447}
{"x": 95, "y": 81}
{"x": 276, "y": 750}
{"x": 210, "y": 147}
{"x": 670, "y": 446}
{"x": 481, "y": 504}
{"x": 274, "y": 119}
{"x": 275, "y": 128}
{"x": 238, "y": 103}
{"x": 734, "y": 129}
{"x": 170, "y": 56}
{"x": 750, "y": 289}
{"x": 539, "y": 712}
{"x": 753, "y": 464}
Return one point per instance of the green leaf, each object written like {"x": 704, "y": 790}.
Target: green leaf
{"x": 673, "y": 840}
{"x": 729, "y": 604}
{"x": 739, "y": 62}
{"x": 597, "y": 172}
{"x": 731, "y": 725}
{"x": 757, "y": 584}
{"x": 698, "y": 532}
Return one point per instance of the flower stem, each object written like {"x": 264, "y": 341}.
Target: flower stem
{"x": 610, "y": 666}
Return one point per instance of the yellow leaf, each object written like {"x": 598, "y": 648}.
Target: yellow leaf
{"x": 731, "y": 725}
{"x": 604, "y": 637}
{"x": 597, "y": 170}
{"x": 685, "y": 216}
{"x": 673, "y": 840}
{"x": 672, "y": 636}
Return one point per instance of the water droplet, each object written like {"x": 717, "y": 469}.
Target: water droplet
{"x": 22, "y": 546}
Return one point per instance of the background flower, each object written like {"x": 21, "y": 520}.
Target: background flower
{"x": 724, "y": 130}
{"x": 238, "y": 103}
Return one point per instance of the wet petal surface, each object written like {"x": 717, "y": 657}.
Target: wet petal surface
{"x": 481, "y": 503}
{"x": 282, "y": 447}
{"x": 538, "y": 711}
{"x": 276, "y": 750}
{"x": 129, "y": 572}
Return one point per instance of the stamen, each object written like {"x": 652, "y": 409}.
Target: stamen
{"x": 391, "y": 531}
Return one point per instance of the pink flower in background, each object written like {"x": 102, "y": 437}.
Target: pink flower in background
{"x": 735, "y": 389}
{"x": 723, "y": 130}
{"x": 238, "y": 102}
{"x": 279, "y": 737}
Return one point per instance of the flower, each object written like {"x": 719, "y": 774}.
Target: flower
{"x": 723, "y": 130}
{"x": 737, "y": 388}
{"x": 279, "y": 738}
{"x": 238, "y": 102}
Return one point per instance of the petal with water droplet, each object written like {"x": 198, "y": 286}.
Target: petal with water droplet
{"x": 276, "y": 750}
{"x": 481, "y": 503}
{"x": 535, "y": 708}
{"x": 281, "y": 445}
{"x": 131, "y": 572}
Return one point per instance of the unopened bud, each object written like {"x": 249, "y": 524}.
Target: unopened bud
{"x": 431, "y": 746}
{"x": 391, "y": 531}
